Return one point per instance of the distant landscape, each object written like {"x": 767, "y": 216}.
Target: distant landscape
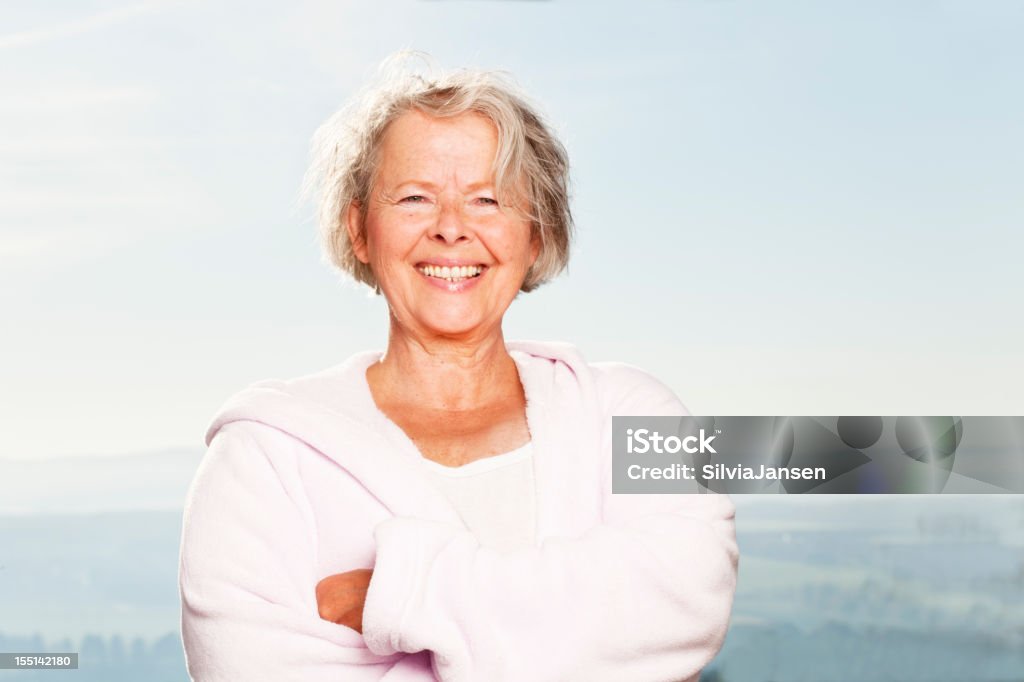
{"x": 904, "y": 588}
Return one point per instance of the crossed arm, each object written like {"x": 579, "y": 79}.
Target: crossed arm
{"x": 644, "y": 599}
{"x": 644, "y": 595}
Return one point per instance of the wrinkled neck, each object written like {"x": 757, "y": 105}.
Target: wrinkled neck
{"x": 444, "y": 373}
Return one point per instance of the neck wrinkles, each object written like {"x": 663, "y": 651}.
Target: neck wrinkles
{"x": 443, "y": 374}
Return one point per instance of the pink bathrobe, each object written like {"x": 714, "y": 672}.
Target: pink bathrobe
{"x": 306, "y": 478}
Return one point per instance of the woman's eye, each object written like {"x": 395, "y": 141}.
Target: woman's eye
{"x": 414, "y": 199}
{"x": 488, "y": 201}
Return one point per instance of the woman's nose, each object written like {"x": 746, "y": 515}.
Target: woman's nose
{"x": 451, "y": 225}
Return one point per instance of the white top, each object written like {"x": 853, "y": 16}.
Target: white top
{"x": 494, "y": 496}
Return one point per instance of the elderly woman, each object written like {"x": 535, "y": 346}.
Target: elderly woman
{"x": 443, "y": 510}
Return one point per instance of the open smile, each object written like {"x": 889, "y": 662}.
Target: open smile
{"x": 451, "y": 274}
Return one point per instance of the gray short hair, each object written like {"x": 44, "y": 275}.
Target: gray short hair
{"x": 345, "y": 150}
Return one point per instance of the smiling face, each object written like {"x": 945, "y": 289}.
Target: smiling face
{"x": 447, "y": 256}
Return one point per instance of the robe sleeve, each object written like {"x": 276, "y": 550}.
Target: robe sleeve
{"x": 644, "y": 595}
{"x": 247, "y": 575}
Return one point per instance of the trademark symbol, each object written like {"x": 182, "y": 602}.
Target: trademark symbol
{"x": 718, "y": 431}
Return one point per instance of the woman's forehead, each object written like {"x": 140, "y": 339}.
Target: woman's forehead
{"x": 416, "y": 141}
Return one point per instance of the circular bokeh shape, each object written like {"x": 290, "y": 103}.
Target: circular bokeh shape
{"x": 929, "y": 439}
{"x": 859, "y": 432}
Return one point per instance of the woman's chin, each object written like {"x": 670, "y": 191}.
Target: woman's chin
{"x": 456, "y": 327}
{"x": 457, "y": 331}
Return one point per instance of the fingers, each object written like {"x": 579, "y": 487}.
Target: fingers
{"x": 340, "y": 597}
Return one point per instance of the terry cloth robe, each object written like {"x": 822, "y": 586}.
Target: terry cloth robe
{"x": 307, "y": 478}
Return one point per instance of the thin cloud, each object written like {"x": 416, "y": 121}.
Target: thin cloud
{"x": 79, "y": 26}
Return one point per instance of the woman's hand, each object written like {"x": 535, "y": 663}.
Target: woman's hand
{"x": 340, "y": 597}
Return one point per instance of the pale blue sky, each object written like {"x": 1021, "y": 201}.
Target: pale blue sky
{"x": 783, "y": 207}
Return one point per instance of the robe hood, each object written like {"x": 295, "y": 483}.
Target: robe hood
{"x": 333, "y": 412}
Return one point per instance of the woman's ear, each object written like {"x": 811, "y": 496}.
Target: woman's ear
{"x": 356, "y": 233}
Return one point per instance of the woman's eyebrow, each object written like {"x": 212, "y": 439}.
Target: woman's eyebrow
{"x": 424, "y": 184}
{"x": 433, "y": 187}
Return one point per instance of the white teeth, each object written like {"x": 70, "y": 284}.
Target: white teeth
{"x": 451, "y": 274}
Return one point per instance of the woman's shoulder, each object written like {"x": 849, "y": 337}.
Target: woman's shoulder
{"x": 619, "y": 387}
{"x": 339, "y": 390}
{"x": 629, "y": 390}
